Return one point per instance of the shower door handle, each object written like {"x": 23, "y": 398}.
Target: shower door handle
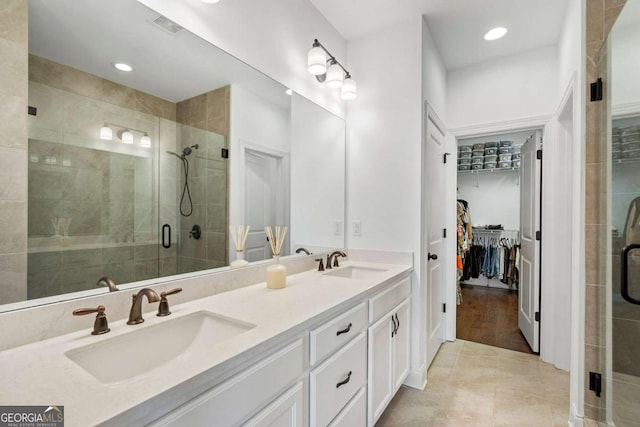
{"x": 166, "y": 236}
{"x": 624, "y": 276}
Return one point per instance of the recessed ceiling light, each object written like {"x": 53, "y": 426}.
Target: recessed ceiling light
{"x": 288, "y": 92}
{"x": 495, "y": 33}
{"x": 123, "y": 67}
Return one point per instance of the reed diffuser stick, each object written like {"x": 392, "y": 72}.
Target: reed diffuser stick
{"x": 239, "y": 235}
{"x": 276, "y": 239}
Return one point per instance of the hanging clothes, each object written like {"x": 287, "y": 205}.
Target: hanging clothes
{"x": 464, "y": 235}
{"x": 494, "y": 254}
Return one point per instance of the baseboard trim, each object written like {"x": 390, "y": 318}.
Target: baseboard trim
{"x": 575, "y": 420}
{"x": 417, "y": 379}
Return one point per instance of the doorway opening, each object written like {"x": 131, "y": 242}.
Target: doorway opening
{"x": 498, "y": 231}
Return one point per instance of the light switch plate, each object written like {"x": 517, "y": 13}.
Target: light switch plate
{"x": 356, "y": 227}
{"x": 338, "y": 227}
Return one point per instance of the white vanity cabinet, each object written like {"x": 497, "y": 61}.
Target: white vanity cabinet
{"x": 388, "y": 346}
{"x": 233, "y": 401}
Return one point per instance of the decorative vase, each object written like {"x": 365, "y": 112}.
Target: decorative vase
{"x": 240, "y": 261}
{"x": 276, "y": 274}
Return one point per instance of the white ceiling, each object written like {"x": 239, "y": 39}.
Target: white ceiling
{"x": 92, "y": 34}
{"x": 457, "y": 26}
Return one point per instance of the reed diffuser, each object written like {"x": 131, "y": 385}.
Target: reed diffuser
{"x": 276, "y": 272}
{"x": 239, "y": 235}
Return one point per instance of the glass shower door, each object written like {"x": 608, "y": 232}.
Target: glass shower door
{"x": 625, "y": 247}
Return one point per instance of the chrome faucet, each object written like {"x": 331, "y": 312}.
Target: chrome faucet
{"x": 135, "y": 315}
{"x": 334, "y": 255}
{"x": 107, "y": 281}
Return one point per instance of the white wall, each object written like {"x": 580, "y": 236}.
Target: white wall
{"x": 273, "y": 36}
{"x": 511, "y": 88}
{"x": 317, "y": 174}
{"x": 625, "y": 78}
{"x": 258, "y": 122}
{"x": 494, "y": 198}
{"x": 384, "y": 130}
{"x": 434, "y": 75}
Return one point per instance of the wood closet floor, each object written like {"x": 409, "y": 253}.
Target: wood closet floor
{"x": 490, "y": 316}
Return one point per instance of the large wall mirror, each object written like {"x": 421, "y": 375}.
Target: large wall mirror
{"x": 138, "y": 174}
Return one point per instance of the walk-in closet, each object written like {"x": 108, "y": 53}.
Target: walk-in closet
{"x": 491, "y": 205}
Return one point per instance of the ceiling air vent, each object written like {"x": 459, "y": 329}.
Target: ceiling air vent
{"x": 167, "y": 24}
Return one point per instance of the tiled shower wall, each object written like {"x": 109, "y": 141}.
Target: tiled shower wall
{"x": 13, "y": 150}
{"x": 205, "y": 120}
{"x": 108, "y": 190}
{"x": 600, "y": 17}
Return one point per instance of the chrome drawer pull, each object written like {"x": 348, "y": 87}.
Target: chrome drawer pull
{"x": 345, "y": 381}
{"x": 345, "y": 330}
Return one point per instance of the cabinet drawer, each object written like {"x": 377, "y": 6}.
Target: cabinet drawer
{"x": 387, "y": 300}
{"x": 233, "y": 401}
{"x": 337, "y": 332}
{"x": 354, "y": 414}
{"x": 337, "y": 380}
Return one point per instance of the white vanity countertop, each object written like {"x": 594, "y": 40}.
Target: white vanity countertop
{"x": 41, "y": 374}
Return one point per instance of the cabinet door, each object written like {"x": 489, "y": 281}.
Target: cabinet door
{"x": 401, "y": 345}
{"x": 380, "y": 369}
{"x": 285, "y": 411}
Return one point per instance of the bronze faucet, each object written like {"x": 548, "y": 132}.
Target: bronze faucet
{"x": 163, "y": 307}
{"x": 334, "y": 255}
{"x": 100, "y": 326}
{"x": 135, "y": 315}
{"x": 299, "y": 250}
{"x": 107, "y": 281}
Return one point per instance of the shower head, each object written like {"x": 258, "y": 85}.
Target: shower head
{"x": 176, "y": 154}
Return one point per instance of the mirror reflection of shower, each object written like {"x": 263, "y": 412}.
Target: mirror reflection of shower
{"x": 186, "y": 193}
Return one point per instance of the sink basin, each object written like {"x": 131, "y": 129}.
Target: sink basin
{"x": 145, "y": 349}
{"x": 356, "y": 272}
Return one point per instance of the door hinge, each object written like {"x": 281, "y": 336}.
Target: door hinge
{"x": 444, "y": 233}
{"x": 595, "y": 382}
{"x": 33, "y": 111}
{"x": 596, "y": 90}
{"x": 444, "y": 157}
{"x": 536, "y": 316}
{"x": 539, "y": 154}
{"x": 538, "y": 235}
{"x": 444, "y": 307}
{"x": 224, "y": 153}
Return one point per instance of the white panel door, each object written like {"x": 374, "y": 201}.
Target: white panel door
{"x": 529, "y": 289}
{"x": 435, "y": 225}
{"x": 380, "y": 357}
{"x": 259, "y": 203}
{"x": 401, "y": 344}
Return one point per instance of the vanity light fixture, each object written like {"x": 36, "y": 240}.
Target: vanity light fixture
{"x": 329, "y": 70}
{"x": 123, "y": 67}
{"x": 127, "y": 137}
{"x": 106, "y": 132}
{"x": 145, "y": 141}
{"x": 495, "y": 33}
{"x": 125, "y": 133}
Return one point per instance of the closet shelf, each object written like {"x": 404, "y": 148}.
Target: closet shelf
{"x": 478, "y": 171}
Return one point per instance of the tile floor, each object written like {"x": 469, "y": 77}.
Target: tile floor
{"x": 471, "y": 384}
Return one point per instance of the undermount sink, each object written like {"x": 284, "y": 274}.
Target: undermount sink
{"x": 142, "y": 350}
{"x": 356, "y": 272}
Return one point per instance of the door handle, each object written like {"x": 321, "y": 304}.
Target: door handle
{"x": 166, "y": 236}
{"x": 624, "y": 276}
{"x": 395, "y": 328}
{"x": 432, "y": 256}
{"x": 397, "y": 323}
